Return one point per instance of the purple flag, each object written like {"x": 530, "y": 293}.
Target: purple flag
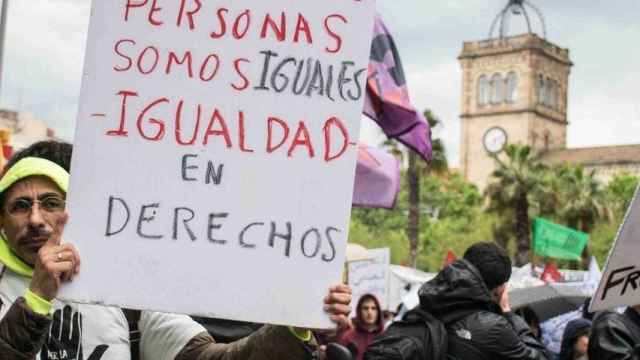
{"x": 377, "y": 178}
{"x": 387, "y": 101}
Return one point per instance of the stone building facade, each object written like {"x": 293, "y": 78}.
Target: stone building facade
{"x": 515, "y": 90}
{"x": 517, "y": 85}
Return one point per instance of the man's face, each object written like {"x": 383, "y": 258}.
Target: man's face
{"x": 31, "y": 215}
{"x": 369, "y": 312}
{"x": 581, "y": 345}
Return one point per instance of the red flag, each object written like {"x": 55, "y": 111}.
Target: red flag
{"x": 7, "y": 151}
{"x": 551, "y": 274}
{"x": 451, "y": 257}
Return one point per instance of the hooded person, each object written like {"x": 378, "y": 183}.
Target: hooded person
{"x": 575, "y": 340}
{"x": 367, "y": 324}
{"x": 615, "y": 336}
{"x": 469, "y": 296}
{"x": 34, "y": 262}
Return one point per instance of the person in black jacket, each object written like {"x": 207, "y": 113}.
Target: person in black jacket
{"x": 469, "y": 296}
{"x": 616, "y": 336}
{"x": 575, "y": 340}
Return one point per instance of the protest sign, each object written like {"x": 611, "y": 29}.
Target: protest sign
{"x": 371, "y": 276}
{"x": 619, "y": 285}
{"x": 557, "y": 241}
{"x": 215, "y": 153}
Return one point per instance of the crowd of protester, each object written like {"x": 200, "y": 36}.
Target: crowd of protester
{"x": 468, "y": 298}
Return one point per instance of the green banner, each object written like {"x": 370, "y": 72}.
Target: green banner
{"x": 557, "y": 241}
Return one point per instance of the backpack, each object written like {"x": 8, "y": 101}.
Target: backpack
{"x": 418, "y": 336}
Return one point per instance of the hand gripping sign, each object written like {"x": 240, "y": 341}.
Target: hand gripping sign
{"x": 620, "y": 283}
{"x": 215, "y": 153}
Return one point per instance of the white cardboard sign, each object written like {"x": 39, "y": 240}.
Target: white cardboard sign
{"x": 620, "y": 282}
{"x": 215, "y": 154}
{"x": 371, "y": 276}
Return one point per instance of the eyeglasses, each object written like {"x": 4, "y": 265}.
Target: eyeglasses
{"x": 22, "y": 207}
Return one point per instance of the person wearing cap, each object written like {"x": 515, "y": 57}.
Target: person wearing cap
{"x": 34, "y": 262}
{"x": 470, "y": 297}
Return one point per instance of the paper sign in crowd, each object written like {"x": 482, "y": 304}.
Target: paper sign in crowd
{"x": 620, "y": 283}
{"x": 371, "y": 276}
{"x": 214, "y": 155}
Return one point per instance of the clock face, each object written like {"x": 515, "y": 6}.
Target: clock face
{"x": 495, "y": 139}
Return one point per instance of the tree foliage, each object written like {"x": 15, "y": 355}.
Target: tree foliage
{"x": 620, "y": 191}
{"x": 581, "y": 199}
{"x": 452, "y": 214}
{"x": 516, "y": 180}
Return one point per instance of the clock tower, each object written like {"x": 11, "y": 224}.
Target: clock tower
{"x": 514, "y": 90}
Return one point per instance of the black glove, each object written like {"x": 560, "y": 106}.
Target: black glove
{"x": 64, "y": 341}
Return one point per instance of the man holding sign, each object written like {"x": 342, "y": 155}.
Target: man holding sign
{"x": 35, "y": 263}
{"x": 217, "y": 141}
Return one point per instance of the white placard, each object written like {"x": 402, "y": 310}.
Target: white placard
{"x": 215, "y": 154}
{"x": 371, "y": 276}
{"x": 620, "y": 282}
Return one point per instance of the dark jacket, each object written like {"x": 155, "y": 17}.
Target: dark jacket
{"x": 615, "y": 336}
{"x": 359, "y": 337}
{"x": 477, "y": 328}
{"x": 574, "y": 330}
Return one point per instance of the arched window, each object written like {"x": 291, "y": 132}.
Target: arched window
{"x": 548, "y": 84}
{"x": 497, "y": 89}
{"x": 542, "y": 88}
{"x": 553, "y": 94}
{"x": 483, "y": 90}
{"x": 512, "y": 87}
{"x": 561, "y": 97}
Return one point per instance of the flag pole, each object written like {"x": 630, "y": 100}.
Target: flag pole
{"x": 3, "y": 27}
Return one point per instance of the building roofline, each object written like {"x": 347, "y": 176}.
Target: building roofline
{"x": 623, "y": 154}
{"x": 493, "y": 47}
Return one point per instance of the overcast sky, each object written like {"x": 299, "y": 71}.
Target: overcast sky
{"x": 46, "y": 39}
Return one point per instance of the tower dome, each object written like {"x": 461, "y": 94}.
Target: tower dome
{"x": 516, "y": 8}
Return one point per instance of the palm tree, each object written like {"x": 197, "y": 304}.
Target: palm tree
{"x": 394, "y": 148}
{"x": 516, "y": 180}
{"x": 415, "y": 170}
{"x": 582, "y": 202}
{"x": 413, "y": 223}
{"x": 439, "y": 163}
